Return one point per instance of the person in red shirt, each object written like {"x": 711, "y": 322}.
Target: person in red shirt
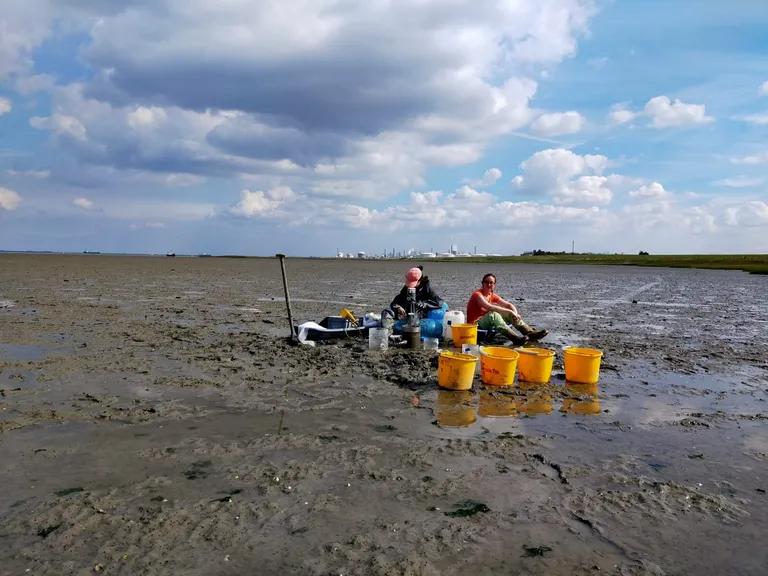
{"x": 491, "y": 312}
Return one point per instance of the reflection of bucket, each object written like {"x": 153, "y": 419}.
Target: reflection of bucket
{"x": 455, "y": 408}
{"x": 455, "y": 371}
{"x": 582, "y": 364}
{"x": 581, "y": 407}
{"x": 464, "y": 334}
{"x": 582, "y": 399}
{"x": 535, "y": 364}
{"x": 378, "y": 338}
{"x": 535, "y": 404}
{"x": 495, "y": 405}
{"x": 498, "y": 365}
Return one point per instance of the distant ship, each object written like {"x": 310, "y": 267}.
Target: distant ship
{"x": 171, "y": 254}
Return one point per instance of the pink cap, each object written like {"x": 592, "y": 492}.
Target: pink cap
{"x": 412, "y": 277}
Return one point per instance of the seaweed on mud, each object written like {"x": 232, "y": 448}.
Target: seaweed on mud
{"x": 68, "y": 491}
{"x": 467, "y": 508}
{"x": 532, "y": 551}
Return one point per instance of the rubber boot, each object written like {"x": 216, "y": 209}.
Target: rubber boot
{"x": 517, "y": 340}
{"x": 529, "y": 332}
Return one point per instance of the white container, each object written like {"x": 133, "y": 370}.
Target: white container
{"x": 431, "y": 344}
{"x": 451, "y": 317}
{"x": 378, "y": 339}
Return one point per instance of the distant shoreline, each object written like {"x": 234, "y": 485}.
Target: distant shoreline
{"x": 752, "y": 263}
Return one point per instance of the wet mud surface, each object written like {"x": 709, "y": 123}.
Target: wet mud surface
{"x": 154, "y": 420}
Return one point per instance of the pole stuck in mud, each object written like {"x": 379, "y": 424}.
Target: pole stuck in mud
{"x": 293, "y": 336}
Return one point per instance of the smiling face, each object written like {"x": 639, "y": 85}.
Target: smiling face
{"x": 489, "y": 284}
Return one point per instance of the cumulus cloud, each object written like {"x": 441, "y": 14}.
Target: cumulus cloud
{"x": 751, "y": 214}
{"x": 60, "y": 124}
{"x": 24, "y": 24}
{"x": 567, "y": 177}
{"x": 280, "y": 97}
{"x": 621, "y": 114}
{"x": 5, "y": 106}
{"x": 558, "y": 123}
{"x": 654, "y": 190}
{"x": 662, "y": 113}
{"x": 666, "y": 113}
{"x": 763, "y": 90}
{"x": 84, "y": 203}
{"x": 490, "y": 177}
{"x": 260, "y": 203}
{"x": 9, "y": 199}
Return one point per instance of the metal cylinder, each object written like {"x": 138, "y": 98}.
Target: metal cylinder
{"x": 412, "y": 336}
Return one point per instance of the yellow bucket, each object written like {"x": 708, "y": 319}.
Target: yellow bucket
{"x": 455, "y": 409}
{"x": 582, "y": 365}
{"x": 464, "y": 334}
{"x": 455, "y": 371}
{"x": 535, "y": 364}
{"x": 498, "y": 365}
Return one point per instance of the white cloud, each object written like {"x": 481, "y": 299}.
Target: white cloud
{"x": 38, "y": 174}
{"x": 763, "y": 90}
{"x": 620, "y": 114}
{"x": 490, "y": 177}
{"x": 759, "y": 158}
{"x": 147, "y": 226}
{"x": 751, "y": 214}
{"x": 83, "y": 203}
{"x": 259, "y": 203}
{"x": 654, "y": 190}
{"x": 9, "y": 200}
{"x": 24, "y": 24}
{"x": 567, "y": 177}
{"x": 558, "y": 123}
{"x": 666, "y": 113}
{"x": 143, "y": 117}
{"x": 61, "y": 124}
{"x": 739, "y": 182}
{"x": 758, "y": 119}
{"x": 5, "y": 106}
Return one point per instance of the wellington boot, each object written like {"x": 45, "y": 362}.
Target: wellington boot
{"x": 517, "y": 340}
{"x": 530, "y": 332}
{"x": 537, "y": 334}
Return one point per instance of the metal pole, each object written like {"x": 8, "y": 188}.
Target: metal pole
{"x": 281, "y": 257}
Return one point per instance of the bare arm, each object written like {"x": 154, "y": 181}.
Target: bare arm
{"x": 502, "y": 306}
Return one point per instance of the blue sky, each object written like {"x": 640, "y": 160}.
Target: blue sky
{"x": 308, "y": 127}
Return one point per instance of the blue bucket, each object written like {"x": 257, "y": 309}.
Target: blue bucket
{"x": 431, "y": 328}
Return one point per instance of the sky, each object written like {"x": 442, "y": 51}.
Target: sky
{"x": 309, "y": 127}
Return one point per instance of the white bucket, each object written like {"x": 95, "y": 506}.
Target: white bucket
{"x": 378, "y": 338}
{"x": 451, "y": 317}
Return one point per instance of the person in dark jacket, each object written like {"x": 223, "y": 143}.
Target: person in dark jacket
{"x": 426, "y": 298}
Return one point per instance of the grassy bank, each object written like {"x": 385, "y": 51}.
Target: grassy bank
{"x": 754, "y": 263}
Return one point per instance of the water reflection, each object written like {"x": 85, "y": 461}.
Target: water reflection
{"x": 581, "y": 399}
{"x": 455, "y": 408}
{"x": 494, "y": 404}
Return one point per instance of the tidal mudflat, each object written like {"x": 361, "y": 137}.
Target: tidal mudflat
{"x": 153, "y": 420}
